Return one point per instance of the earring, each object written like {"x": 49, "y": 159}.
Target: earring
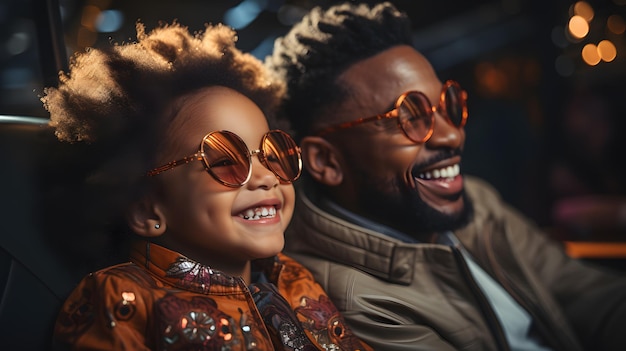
{"x": 157, "y": 226}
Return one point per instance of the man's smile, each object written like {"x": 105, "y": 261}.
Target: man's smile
{"x": 440, "y": 184}
{"x": 446, "y": 173}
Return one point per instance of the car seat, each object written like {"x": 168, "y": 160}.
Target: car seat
{"x": 35, "y": 277}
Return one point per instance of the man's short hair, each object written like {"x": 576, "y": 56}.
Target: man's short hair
{"x": 323, "y": 45}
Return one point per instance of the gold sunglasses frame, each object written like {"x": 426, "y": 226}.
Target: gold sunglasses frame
{"x": 200, "y": 156}
{"x": 394, "y": 113}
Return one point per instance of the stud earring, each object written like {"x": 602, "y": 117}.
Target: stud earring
{"x": 157, "y": 226}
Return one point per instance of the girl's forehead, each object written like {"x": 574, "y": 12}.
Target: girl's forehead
{"x": 218, "y": 108}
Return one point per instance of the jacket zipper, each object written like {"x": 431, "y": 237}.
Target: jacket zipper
{"x": 490, "y": 316}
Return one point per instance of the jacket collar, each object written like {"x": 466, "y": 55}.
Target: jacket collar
{"x": 350, "y": 239}
{"x": 185, "y": 273}
{"x": 321, "y": 233}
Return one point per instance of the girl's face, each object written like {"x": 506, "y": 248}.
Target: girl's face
{"x": 203, "y": 219}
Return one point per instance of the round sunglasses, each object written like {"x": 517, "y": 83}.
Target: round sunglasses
{"x": 416, "y": 114}
{"x": 229, "y": 161}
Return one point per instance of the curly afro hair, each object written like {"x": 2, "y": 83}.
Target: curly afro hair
{"x": 324, "y": 44}
{"x": 114, "y": 90}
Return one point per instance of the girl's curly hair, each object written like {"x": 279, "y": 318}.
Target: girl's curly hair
{"x": 116, "y": 102}
{"x": 118, "y": 89}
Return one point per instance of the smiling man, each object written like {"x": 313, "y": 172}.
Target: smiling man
{"x": 416, "y": 255}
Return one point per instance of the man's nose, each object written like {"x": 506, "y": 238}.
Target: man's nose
{"x": 445, "y": 134}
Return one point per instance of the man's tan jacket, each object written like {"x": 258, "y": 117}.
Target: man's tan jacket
{"x": 400, "y": 296}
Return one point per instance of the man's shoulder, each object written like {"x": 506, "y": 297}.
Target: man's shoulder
{"x": 485, "y": 198}
{"x": 330, "y": 271}
{"x": 478, "y": 188}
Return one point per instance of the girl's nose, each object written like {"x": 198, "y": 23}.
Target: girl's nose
{"x": 261, "y": 176}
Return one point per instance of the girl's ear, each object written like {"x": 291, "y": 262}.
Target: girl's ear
{"x": 145, "y": 218}
{"x": 322, "y": 160}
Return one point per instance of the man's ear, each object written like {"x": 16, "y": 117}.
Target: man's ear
{"x": 146, "y": 218}
{"x": 322, "y": 160}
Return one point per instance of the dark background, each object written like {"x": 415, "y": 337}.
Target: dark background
{"x": 544, "y": 126}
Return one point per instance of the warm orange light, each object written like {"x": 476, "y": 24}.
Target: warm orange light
{"x": 578, "y": 27}
{"x": 490, "y": 78}
{"x": 590, "y": 55}
{"x": 582, "y": 249}
{"x": 607, "y": 51}
{"x": 90, "y": 15}
{"x": 584, "y": 10}
{"x": 616, "y": 24}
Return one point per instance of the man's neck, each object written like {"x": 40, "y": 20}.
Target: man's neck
{"x": 333, "y": 208}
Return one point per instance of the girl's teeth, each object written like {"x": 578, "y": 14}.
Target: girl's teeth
{"x": 258, "y": 213}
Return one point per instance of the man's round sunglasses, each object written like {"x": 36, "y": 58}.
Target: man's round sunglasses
{"x": 416, "y": 115}
{"x": 227, "y": 158}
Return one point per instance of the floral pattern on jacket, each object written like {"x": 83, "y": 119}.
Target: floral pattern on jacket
{"x": 162, "y": 300}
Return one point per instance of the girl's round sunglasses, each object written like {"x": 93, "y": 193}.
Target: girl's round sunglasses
{"x": 227, "y": 158}
{"x": 416, "y": 114}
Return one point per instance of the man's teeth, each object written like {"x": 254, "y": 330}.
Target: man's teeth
{"x": 446, "y": 172}
{"x": 258, "y": 213}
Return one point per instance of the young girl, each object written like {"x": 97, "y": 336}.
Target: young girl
{"x": 183, "y": 159}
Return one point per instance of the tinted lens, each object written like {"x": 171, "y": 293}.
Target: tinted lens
{"x": 227, "y": 158}
{"x": 282, "y": 155}
{"x": 416, "y": 117}
{"x": 455, "y": 104}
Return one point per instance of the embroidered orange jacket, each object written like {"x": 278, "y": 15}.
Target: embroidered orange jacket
{"x": 162, "y": 300}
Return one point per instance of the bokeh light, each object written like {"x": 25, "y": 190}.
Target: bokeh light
{"x": 89, "y": 17}
{"x": 607, "y": 50}
{"x": 564, "y": 66}
{"x": 590, "y": 54}
{"x": 584, "y": 10}
{"x": 109, "y": 21}
{"x": 18, "y": 43}
{"x": 615, "y": 23}
{"x": 245, "y": 13}
{"x": 558, "y": 37}
{"x": 578, "y": 27}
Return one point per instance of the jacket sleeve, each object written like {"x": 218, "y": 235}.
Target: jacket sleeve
{"x": 593, "y": 299}
{"x": 102, "y": 313}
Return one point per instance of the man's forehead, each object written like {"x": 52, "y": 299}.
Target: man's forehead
{"x": 390, "y": 72}
{"x": 373, "y": 84}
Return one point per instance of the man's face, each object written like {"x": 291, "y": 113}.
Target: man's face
{"x": 386, "y": 176}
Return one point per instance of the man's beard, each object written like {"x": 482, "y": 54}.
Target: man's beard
{"x": 399, "y": 206}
